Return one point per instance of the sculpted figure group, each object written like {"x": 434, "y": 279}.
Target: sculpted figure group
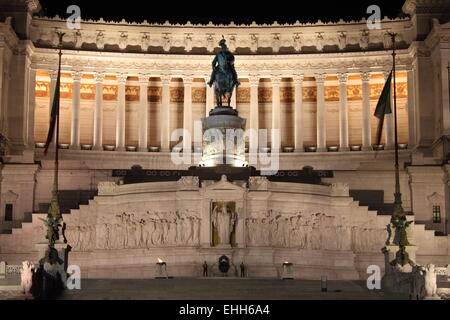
{"x": 314, "y": 231}
{"x": 137, "y": 230}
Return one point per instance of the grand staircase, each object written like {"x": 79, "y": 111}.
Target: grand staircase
{"x": 68, "y": 200}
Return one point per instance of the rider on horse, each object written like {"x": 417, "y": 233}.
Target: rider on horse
{"x": 223, "y": 63}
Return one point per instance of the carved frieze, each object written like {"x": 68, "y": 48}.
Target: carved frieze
{"x": 198, "y": 95}
{"x": 264, "y": 95}
{"x": 154, "y": 94}
{"x": 243, "y": 95}
{"x": 132, "y": 93}
{"x": 176, "y": 94}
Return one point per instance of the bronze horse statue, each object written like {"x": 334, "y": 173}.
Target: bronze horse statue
{"x": 223, "y": 77}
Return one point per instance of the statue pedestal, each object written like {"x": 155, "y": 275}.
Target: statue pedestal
{"x": 397, "y": 278}
{"x": 288, "y": 271}
{"x": 223, "y": 138}
{"x": 63, "y": 254}
{"x": 161, "y": 271}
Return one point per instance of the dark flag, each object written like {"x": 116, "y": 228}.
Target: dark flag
{"x": 383, "y": 107}
{"x": 54, "y": 114}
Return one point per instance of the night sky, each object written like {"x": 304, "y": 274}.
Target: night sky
{"x": 220, "y": 11}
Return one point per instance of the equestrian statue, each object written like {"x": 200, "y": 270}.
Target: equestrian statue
{"x": 224, "y": 76}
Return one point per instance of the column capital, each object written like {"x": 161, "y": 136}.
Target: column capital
{"x": 144, "y": 79}
{"x": 276, "y": 80}
{"x": 99, "y": 77}
{"x": 188, "y": 79}
{"x": 165, "y": 79}
{"x": 121, "y": 78}
{"x": 254, "y": 80}
{"x": 320, "y": 77}
{"x": 53, "y": 74}
{"x": 298, "y": 79}
{"x": 342, "y": 77}
{"x": 365, "y": 76}
{"x": 76, "y": 76}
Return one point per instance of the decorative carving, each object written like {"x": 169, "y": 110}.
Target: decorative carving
{"x": 87, "y": 91}
{"x": 154, "y": 94}
{"x": 210, "y": 43}
{"x": 309, "y": 94}
{"x": 243, "y": 95}
{"x": 176, "y": 94}
{"x": 42, "y": 89}
{"x": 332, "y": 93}
{"x": 110, "y": 92}
{"x": 198, "y": 95}
{"x": 253, "y": 43}
{"x": 264, "y": 95}
{"x": 100, "y": 40}
{"x": 342, "y": 40}
{"x": 313, "y": 231}
{"x": 354, "y": 93}
{"x": 106, "y": 188}
{"x": 232, "y": 43}
{"x": 188, "y": 42}
{"x": 145, "y": 42}
{"x": 132, "y": 93}
{"x": 123, "y": 40}
{"x": 141, "y": 230}
{"x": 287, "y": 94}
{"x": 166, "y": 42}
{"x": 364, "y": 40}
{"x": 190, "y": 182}
{"x": 298, "y": 41}
{"x": 78, "y": 38}
{"x": 319, "y": 41}
{"x": 340, "y": 189}
{"x": 276, "y": 42}
{"x": 258, "y": 183}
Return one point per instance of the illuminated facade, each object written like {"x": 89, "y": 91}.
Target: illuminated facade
{"x": 126, "y": 87}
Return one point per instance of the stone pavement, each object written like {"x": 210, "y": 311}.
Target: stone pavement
{"x": 222, "y": 289}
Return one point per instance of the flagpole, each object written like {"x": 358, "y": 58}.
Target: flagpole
{"x": 54, "y": 214}
{"x": 398, "y": 218}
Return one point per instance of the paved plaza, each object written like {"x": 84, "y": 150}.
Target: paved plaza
{"x": 223, "y": 289}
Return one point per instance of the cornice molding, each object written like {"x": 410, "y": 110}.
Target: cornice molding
{"x": 204, "y": 39}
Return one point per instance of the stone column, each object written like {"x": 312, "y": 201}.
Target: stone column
{"x": 411, "y": 109}
{"x": 366, "y": 130}
{"x": 98, "y": 114}
{"x": 53, "y": 77}
{"x": 75, "y": 126}
{"x": 120, "y": 113}
{"x": 187, "y": 113}
{"x": 254, "y": 113}
{"x": 31, "y": 106}
{"x": 210, "y": 101}
{"x": 389, "y": 121}
{"x": 143, "y": 113}
{"x": 298, "y": 109}
{"x": 321, "y": 123}
{"x": 165, "y": 114}
{"x": 276, "y": 117}
{"x": 233, "y": 99}
{"x": 343, "y": 113}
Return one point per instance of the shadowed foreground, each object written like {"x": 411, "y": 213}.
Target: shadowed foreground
{"x": 222, "y": 289}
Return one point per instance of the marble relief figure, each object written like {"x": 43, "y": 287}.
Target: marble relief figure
{"x": 223, "y": 220}
{"x": 137, "y": 230}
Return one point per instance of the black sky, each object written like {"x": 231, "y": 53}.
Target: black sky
{"x": 221, "y": 11}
